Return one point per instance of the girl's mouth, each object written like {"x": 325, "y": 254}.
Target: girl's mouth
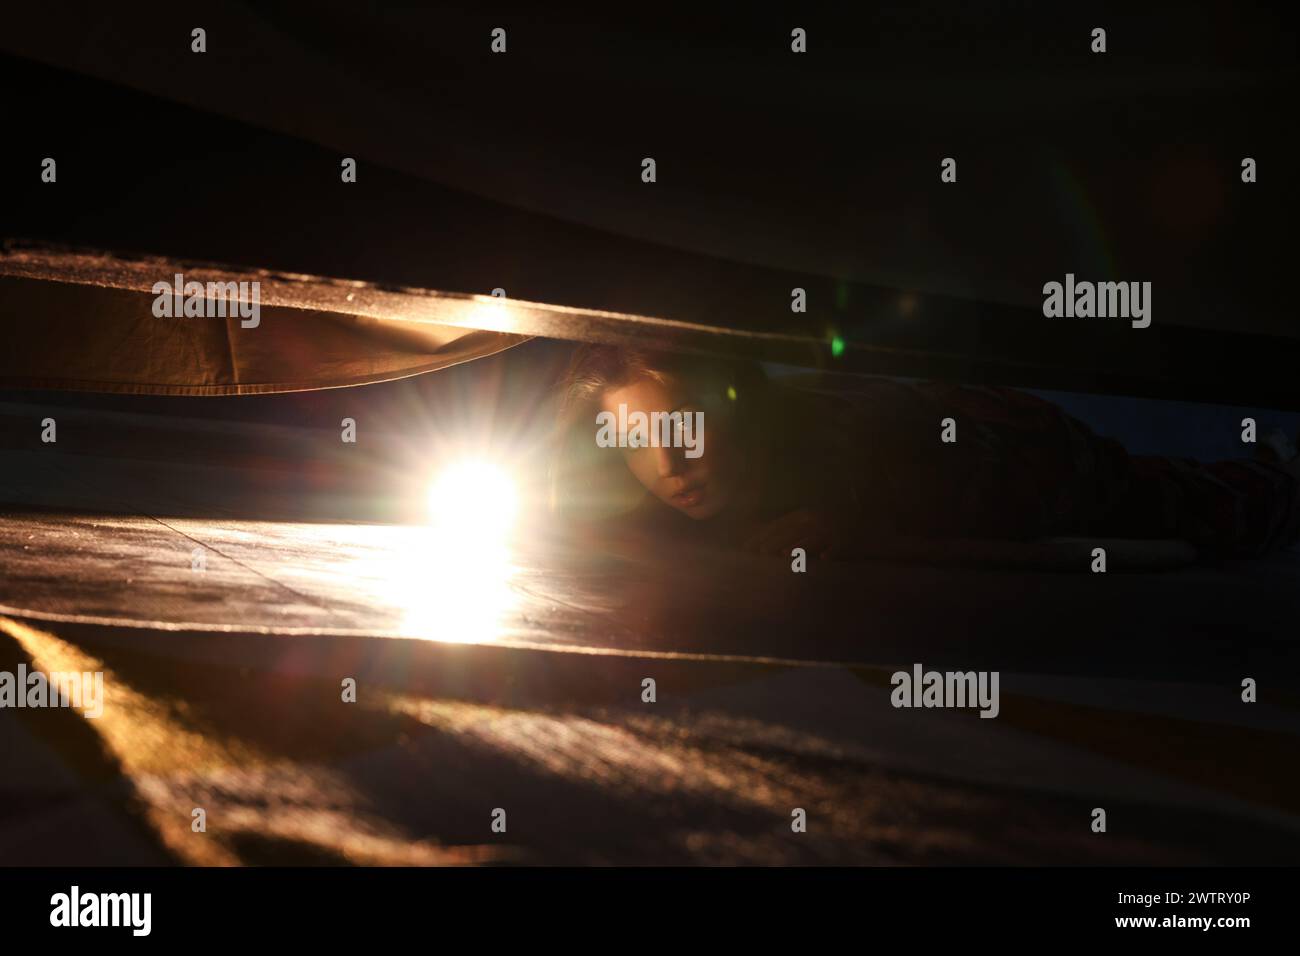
{"x": 689, "y": 497}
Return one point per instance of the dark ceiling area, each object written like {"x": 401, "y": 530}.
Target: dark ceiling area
{"x": 775, "y": 170}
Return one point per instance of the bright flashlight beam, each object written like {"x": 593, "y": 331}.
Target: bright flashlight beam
{"x": 457, "y": 588}
{"x": 473, "y": 499}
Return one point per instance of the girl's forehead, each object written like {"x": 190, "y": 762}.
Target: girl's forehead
{"x": 645, "y": 394}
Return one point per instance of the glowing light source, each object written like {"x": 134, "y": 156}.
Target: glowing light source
{"x": 473, "y": 500}
{"x": 451, "y": 580}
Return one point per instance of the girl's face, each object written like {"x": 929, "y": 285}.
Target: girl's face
{"x": 699, "y": 487}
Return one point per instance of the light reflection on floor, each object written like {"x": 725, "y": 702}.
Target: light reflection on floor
{"x": 443, "y": 587}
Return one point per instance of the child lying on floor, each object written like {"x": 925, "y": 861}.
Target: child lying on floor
{"x": 777, "y": 467}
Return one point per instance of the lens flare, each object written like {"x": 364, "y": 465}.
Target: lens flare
{"x": 473, "y": 500}
{"x": 451, "y": 580}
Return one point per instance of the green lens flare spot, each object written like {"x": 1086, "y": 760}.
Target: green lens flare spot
{"x": 837, "y": 346}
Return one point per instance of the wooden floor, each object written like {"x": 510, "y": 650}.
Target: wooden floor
{"x": 512, "y": 679}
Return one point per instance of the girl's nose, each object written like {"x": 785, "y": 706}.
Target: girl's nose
{"x": 668, "y": 461}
